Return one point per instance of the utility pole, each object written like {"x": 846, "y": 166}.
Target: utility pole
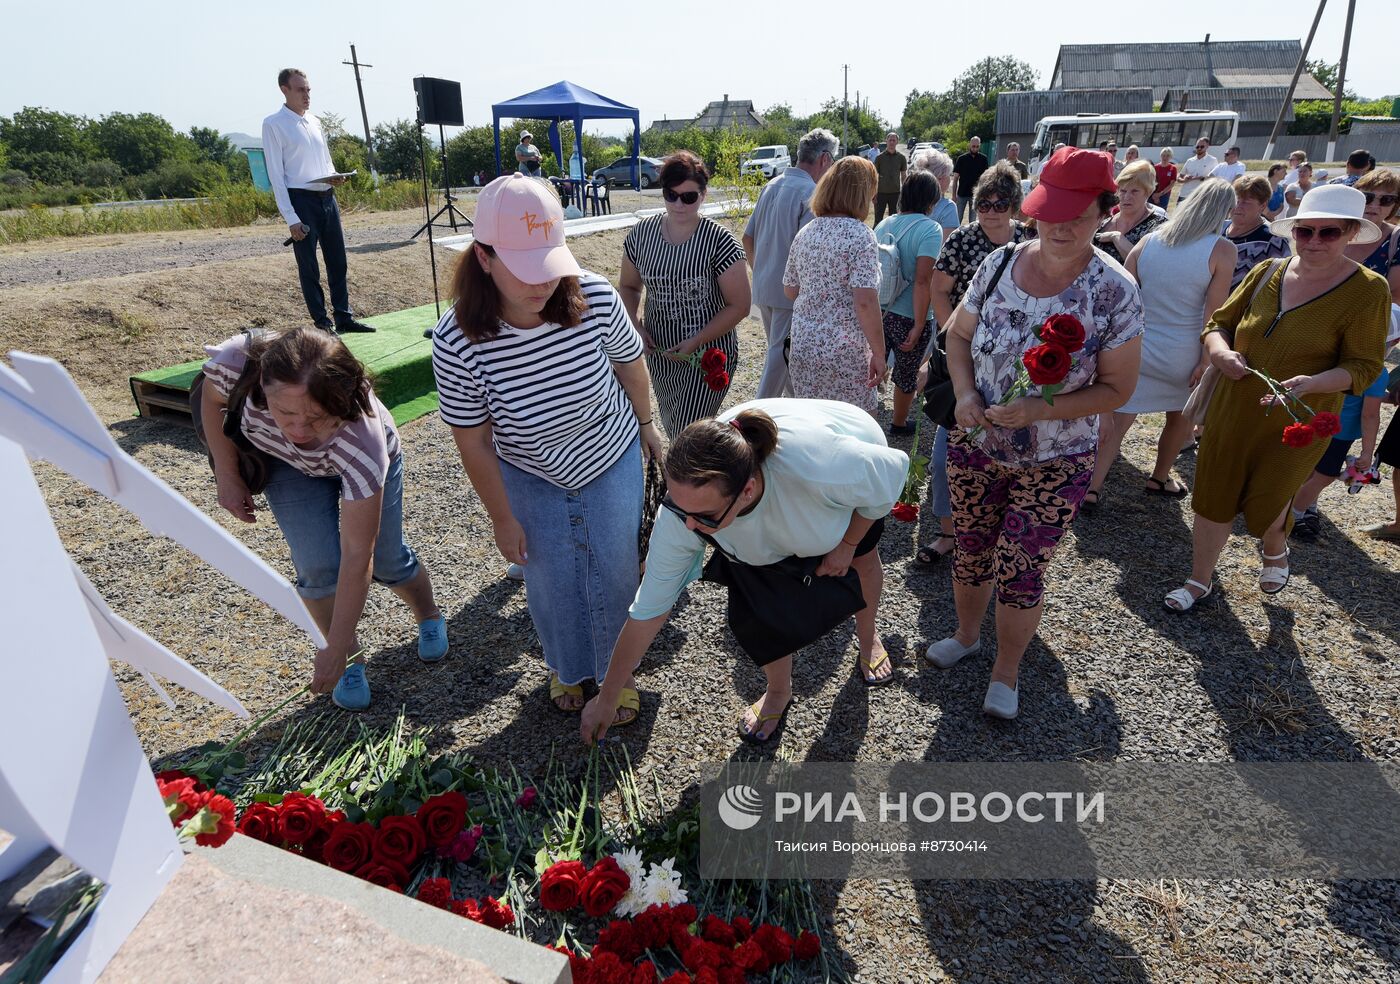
{"x": 845, "y": 90}
{"x": 1298, "y": 71}
{"x": 1341, "y": 82}
{"x": 364, "y": 116}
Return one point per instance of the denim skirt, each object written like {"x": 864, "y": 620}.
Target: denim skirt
{"x": 581, "y": 570}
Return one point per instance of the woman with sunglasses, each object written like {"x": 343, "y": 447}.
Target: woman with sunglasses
{"x": 1255, "y": 241}
{"x": 1135, "y": 216}
{"x": 697, "y": 290}
{"x": 995, "y": 200}
{"x": 1317, "y": 324}
{"x": 1360, "y": 413}
{"x": 766, "y": 481}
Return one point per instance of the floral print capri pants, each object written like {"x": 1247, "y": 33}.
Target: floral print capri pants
{"x": 1009, "y": 518}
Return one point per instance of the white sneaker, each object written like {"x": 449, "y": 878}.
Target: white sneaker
{"x": 1002, "y": 701}
{"x": 515, "y": 572}
{"x": 947, "y": 653}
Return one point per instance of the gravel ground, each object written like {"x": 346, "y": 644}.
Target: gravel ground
{"x": 1310, "y": 675}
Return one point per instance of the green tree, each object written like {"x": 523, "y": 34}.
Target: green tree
{"x": 980, "y": 82}
{"x": 35, "y": 130}
{"x": 396, "y": 149}
{"x": 471, "y": 150}
{"x": 4, "y": 157}
{"x": 862, "y": 126}
{"x": 926, "y": 113}
{"x": 211, "y": 146}
{"x": 139, "y": 143}
{"x": 1315, "y": 115}
{"x": 1326, "y": 72}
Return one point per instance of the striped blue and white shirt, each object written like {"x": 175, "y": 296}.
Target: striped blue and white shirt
{"x": 556, "y": 407}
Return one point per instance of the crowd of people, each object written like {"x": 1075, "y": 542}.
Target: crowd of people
{"x": 546, "y": 375}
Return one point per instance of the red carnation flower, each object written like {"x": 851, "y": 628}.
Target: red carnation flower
{"x": 776, "y": 943}
{"x": 713, "y": 361}
{"x": 1047, "y": 364}
{"x": 905, "y": 512}
{"x": 182, "y": 799}
{"x": 467, "y": 909}
{"x": 1063, "y": 330}
{"x": 299, "y": 817}
{"x": 807, "y": 947}
{"x": 527, "y": 797}
{"x": 743, "y": 929}
{"x": 750, "y": 956}
{"x": 717, "y": 381}
{"x": 644, "y": 973}
{"x": 442, "y": 817}
{"x": 385, "y": 874}
{"x": 716, "y": 930}
{"x": 603, "y": 887}
{"x": 679, "y": 977}
{"x": 707, "y": 975}
{"x": 1326, "y": 424}
{"x": 174, "y": 775}
{"x": 348, "y": 846}
{"x": 560, "y": 885}
{"x": 1298, "y": 435}
{"x": 620, "y": 937}
{"x": 222, "y": 808}
{"x": 436, "y": 892}
{"x": 685, "y": 914}
{"x": 398, "y": 839}
{"x": 259, "y": 822}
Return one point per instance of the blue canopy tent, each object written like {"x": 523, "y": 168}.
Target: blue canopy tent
{"x": 566, "y": 101}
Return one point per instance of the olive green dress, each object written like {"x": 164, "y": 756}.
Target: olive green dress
{"x": 1242, "y": 465}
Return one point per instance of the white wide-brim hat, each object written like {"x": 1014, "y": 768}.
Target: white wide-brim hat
{"x": 1333, "y": 202}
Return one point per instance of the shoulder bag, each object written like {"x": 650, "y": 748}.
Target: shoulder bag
{"x": 254, "y": 464}
{"x": 776, "y": 609}
{"x": 1199, "y": 401}
{"x": 940, "y": 400}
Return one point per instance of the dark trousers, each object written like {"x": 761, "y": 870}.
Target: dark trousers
{"x": 319, "y": 213}
{"x": 886, "y": 201}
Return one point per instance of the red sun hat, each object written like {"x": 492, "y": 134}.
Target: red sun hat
{"x": 1070, "y": 180}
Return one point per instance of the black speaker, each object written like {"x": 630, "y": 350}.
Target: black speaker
{"x": 439, "y": 101}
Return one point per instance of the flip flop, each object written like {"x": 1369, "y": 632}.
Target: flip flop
{"x": 1161, "y": 488}
{"x": 1091, "y": 505}
{"x": 928, "y": 556}
{"x": 862, "y": 668}
{"x": 757, "y": 707}
{"x": 558, "y": 688}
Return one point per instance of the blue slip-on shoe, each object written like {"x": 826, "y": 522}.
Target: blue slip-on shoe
{"x": 352, "y": 692}
{"x": 432, "y": 640}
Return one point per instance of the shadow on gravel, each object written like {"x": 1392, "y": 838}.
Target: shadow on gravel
{"x": 380, "y": 247}
{"x": 1362, "y": 589}
{"x": 136, "y": 433}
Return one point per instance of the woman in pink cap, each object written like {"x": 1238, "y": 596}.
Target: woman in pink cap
{"x": 1018, "y": 471}
{"x": 540, "y": 375}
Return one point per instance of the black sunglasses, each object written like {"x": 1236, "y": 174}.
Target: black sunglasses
{"x": 999, "y": 206}
{"x": 1304, "y": 233}
{"x": 688, "y": 197}
{"x": 1372, "y": 197}
{"x": 707, "y": 521}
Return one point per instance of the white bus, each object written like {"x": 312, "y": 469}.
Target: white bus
{"x": 1150, "y": 131}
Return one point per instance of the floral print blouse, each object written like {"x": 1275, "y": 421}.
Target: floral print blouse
{"x": 1105, "y": 300}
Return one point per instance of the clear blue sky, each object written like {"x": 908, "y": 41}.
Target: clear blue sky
{"x": 215, "y": 64}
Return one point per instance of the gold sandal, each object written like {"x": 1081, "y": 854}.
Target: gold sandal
{"x": 557, "y": 689}
{"x": 751, "y": 737}
{"x": 629, "y": 701}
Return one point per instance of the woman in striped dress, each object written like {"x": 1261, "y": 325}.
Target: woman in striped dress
{"x": 540, "y": 376}
{"x": 697, "y": 291}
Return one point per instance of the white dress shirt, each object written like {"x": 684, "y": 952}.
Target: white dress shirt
{"x": 1196, "y": 167}
{"x": 296, "y": 153}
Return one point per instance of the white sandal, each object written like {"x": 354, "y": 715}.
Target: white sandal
{"x": 1273, "y": 578}
{"x": 1181, "y": 599}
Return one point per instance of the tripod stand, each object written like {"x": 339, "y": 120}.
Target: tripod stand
{"x": 448, "y": 206}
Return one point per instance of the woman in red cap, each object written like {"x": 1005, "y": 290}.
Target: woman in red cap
{"x": 1018, "y": 471}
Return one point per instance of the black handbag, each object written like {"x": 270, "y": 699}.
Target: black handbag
{"x": 776, "y": 609}
{"x": 254, "y": 464}
{"x": 940, "y": 399}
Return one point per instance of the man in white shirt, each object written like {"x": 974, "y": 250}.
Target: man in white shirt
{"x": 297, "y": 155}
{"x": 1232, "y": 167}
{"x": 1196, "y": 169}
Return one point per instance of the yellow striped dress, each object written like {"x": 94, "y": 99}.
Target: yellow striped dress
{"x": 1242, "y": 465}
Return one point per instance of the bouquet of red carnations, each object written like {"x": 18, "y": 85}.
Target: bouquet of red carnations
{"x": 712, "y": 363}
{"x": 1298, "y": 434}
{"x": 1046, "y": 365}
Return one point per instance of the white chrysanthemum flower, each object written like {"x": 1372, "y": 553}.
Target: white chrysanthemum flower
{"x": 631, "y": 862}
{"x": 663, "y": 885}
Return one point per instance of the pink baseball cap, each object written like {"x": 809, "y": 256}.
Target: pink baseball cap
{"x": 521, "y": 219}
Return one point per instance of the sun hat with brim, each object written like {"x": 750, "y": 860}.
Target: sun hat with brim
{"x": 521, "y": 219}
{"x": 1336, "y": 202}
{"x": 526, "y": 133}
{"x": 1070, "y": 180}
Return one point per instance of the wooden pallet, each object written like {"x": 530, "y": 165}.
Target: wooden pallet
{"x": 160, "y": 401}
